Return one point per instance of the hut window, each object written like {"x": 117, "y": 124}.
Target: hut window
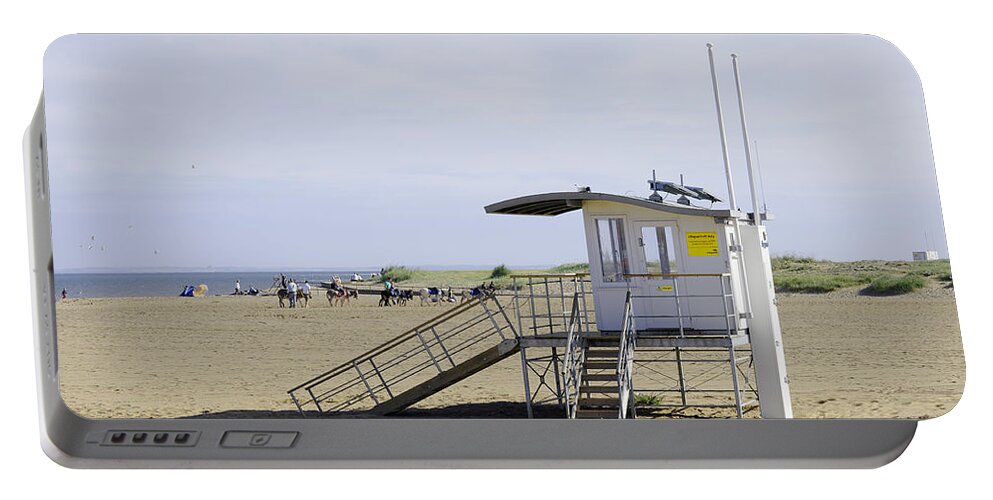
{"x": 660, "y": 256}
{"x": 613, "y": 249}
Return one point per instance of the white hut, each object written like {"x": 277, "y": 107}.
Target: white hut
{"x": 693, "y": 274}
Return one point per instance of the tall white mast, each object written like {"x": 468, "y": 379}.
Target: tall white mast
{"x": 744, "y": 134}
{"x": 720, "y": 124}
{"x": 764, "y": 331}
{"x": 746, "y": 298}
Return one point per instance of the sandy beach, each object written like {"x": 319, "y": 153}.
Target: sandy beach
{"x": 848, "y": 355}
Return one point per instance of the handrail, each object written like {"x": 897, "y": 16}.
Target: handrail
{"x": 572, "y": 367}
{"x": 550, "y": 275}
{"x": 625, "y": 361}
{"x": 675, "y": 275}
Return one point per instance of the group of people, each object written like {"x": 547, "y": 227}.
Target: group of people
{"x": 293, "y": 290}
{"x": 251, "y": 290}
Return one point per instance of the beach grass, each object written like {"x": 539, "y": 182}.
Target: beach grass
{"x": 896, "y": 285}
{"x": 572, "y": 267}
{"x": 791, "y": 274}
{"x": 792, "y": 261}
{"x": 647, "y": 399}
{"x": 803, "y": 274}
{"x": 817, "y": 283}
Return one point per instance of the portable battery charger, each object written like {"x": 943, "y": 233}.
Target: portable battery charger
{"x": 486, "y": 251}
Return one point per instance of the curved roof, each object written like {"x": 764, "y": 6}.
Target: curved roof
{"x": 551, "y": 204}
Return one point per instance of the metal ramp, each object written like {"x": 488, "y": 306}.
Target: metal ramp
{"x": 415, "y": 364}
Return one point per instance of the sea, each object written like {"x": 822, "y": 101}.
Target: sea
{"x": 171, "y": 284}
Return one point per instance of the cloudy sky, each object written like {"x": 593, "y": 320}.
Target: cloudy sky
{"x": 359, "y": 150}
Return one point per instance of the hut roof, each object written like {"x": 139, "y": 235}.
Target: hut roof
{"x": 551, "y": 204}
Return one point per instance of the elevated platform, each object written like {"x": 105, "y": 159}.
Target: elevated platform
{"x": 644, "y": 339}
{"x": 565, "y": 359}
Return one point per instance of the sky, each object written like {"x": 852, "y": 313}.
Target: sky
{"x": 337, "y": 151}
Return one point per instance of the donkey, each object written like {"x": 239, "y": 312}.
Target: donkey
{"x": 341, "y": 296}
{"x": 282, "y": 294}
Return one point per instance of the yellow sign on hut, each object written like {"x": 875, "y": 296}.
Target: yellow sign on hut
{"x": 702, "y": 244}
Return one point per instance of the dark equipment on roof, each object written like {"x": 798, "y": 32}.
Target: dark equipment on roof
{"x": 672, "y": 188}
{"x": 702, "y": 194}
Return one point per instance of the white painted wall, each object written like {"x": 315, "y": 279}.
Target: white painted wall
{"x": 609, "y": 297}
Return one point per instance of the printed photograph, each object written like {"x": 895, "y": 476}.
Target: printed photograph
{"x": 496, "y": 226}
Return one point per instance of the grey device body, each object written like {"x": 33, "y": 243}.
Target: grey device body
{"x": 74, "y": 441}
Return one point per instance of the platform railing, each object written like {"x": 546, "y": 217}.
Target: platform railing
{"x": 682, "y": 314}
{"x": 389, "y": 369}
{"x": 544, "y": 302}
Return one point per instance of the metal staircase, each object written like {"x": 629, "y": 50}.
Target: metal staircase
{"x": 605, "y": 389}
{"x": 415, "y": 364}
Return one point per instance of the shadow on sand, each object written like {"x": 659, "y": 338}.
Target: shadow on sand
{"x": 501, "y": 410}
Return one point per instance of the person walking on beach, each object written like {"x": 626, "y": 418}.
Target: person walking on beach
{"x": 306, "y": 291}
{"x": 291, "y": 292}
{"x": 65, "y": 294}
{"x": 237, "y": 287}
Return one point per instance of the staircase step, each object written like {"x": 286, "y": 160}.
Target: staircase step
{"x": 603, "y": 341}
{"x": 607, "y": 402}
{"x": 606, "y": 389}
{"x": 600, "y": 377}
{"x": 597, "y": 414}
{"x": 612, "y": 354}
{"x": 600, "y": 365}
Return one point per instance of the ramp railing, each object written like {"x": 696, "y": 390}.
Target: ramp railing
{"x": 625, "y": 362}
{"x": 575, "y": 354}
{"x": 409, "y": 359}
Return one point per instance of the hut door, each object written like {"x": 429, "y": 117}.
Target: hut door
{"x": 659, "y": 258}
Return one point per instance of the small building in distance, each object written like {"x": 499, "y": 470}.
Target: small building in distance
{"x": 926, "y": 255}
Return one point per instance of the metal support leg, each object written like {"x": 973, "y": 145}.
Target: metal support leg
{"x": 527, "y": 384}
{"x": 682, "y": 379}
{"x": 558, "y": 383}
{"x": 734, "y": 379}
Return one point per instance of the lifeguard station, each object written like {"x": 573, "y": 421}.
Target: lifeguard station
{"x": 674, "y": 288}
{"x": 677, "y": 314}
